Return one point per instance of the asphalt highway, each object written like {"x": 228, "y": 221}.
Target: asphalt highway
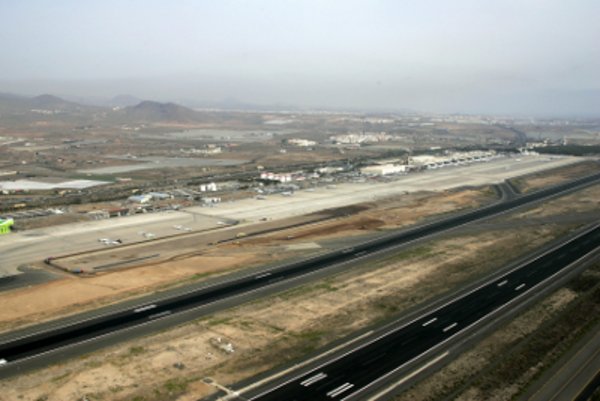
{"x": 352, "y": 373}
{"x": 43, "y": 342}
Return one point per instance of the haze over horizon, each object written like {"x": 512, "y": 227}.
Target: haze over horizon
{"x": 523, "y": 57}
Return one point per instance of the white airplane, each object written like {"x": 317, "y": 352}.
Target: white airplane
{"x": 108, "y": 241}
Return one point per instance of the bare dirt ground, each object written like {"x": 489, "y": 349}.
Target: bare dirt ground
{"x": 289, "y": 324}
{"x": 385, "y": 214}
{"x": 74, "y": 294}
{"x": 28, "y": 305}
{"x": 556, "y": 176}
{"x": 587, "y": 200}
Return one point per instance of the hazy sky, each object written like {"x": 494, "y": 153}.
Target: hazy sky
{"x": 511, "y": 56}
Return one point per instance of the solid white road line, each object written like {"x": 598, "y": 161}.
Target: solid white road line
{"x": 407, "y": 377}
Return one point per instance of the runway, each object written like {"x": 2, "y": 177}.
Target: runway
{"x": 37, "y": 344}
{"x": 353, "y": 373}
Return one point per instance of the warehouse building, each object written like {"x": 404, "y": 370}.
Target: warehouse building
{"x": 384, "y": 169}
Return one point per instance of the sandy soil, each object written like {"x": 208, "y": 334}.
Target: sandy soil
{"x": 587, "y": 200}
{"x": 556, "y": 176}
{"x": 386, "y": 214}
{"x": 61, "y": 297}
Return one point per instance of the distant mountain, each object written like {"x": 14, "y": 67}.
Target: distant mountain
{"x": 43, "y": 107}
{"x": 129, "y": 109}
{"x": 51, "y": 102}
{"x": 123, "y": 101}
{"x": 150, "y": 111}
{"x": 11, "y": 97}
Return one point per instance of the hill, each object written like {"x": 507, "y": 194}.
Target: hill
{"x": 51, "y": 102}
{"x": 15, "y": 104}
{"x": 123, "y": 101}
{"x": 150, "y": 111}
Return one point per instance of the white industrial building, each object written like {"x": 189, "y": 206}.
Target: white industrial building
{"x": 435, "y": 161}
{"x": 301, "y": 142}
{"x": 384, "y": 169}
{"x": 276, "y": 177}
{"x": 212, "y": 187}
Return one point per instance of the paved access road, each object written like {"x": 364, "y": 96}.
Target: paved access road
{"x": 40, "y": 343}
{"x": 354, "y": 372}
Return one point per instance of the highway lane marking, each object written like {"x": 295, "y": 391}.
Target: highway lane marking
{"x": 448, "y": 328}
{"x": 161, "y": 314}
{"x": 144, "y": 308}
{"x": 313, "y": 379}
{"x": 427, "y": 323}
{"x": 339, "y": 390}
{"x": 503, "y": 282}
{"x": 262, "y": 276}
{"x": 520, "y": 286}
{"x": 490, "y": 282}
